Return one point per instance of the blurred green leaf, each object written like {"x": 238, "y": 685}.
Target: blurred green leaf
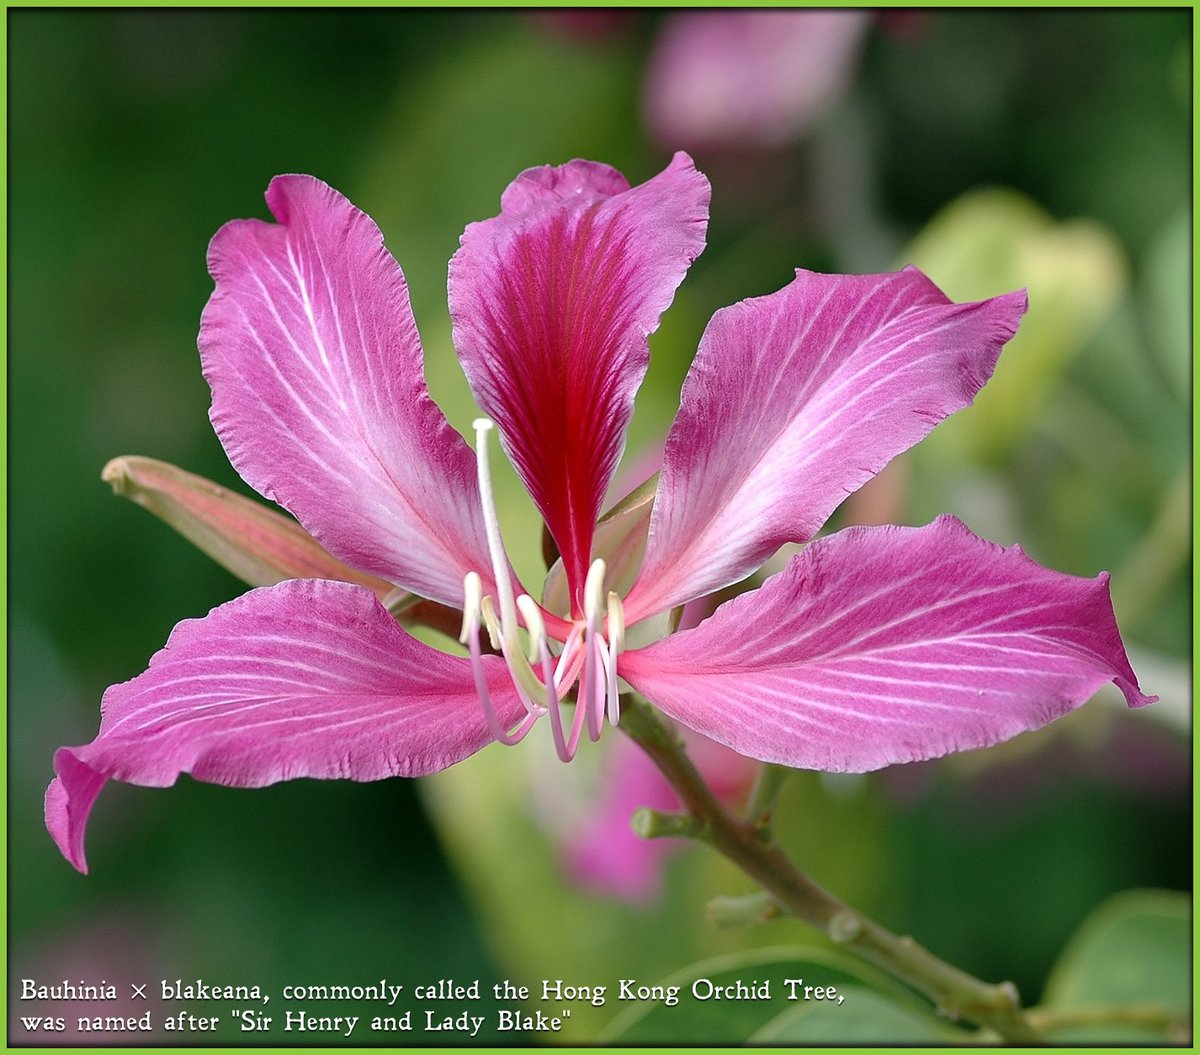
{"x": 867, "y": 1017}
{"x": 764, "y": 971}
{"x": 1166, "y": 301}
{"x": 1133, "y": 952}
{"x": 995, "y": 240}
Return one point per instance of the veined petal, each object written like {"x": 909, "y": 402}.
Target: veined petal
{"x": 304, "y": 679}
{"x": 319, "y": 393}
{"x": 884, "y": 645}
{"x": 794, "y": 401}
{"x": 552, "y": 302}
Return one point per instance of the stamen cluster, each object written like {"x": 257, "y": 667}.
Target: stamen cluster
{"x": 588, "y": 658}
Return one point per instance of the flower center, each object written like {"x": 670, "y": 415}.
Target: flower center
{"x": 542, "y": 679}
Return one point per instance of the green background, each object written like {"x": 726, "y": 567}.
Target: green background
{"x": 996, "y": 149}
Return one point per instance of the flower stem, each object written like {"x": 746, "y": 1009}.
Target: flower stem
{"x": 765, "y": 794}
{"x": 745, "y": 842}
{"x": 749, "y": 910}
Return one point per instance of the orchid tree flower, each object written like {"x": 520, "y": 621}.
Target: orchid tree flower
{"x": 873, "y": 646}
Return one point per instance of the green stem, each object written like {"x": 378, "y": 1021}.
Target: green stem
{"x": 956, "y": 993}
{"x": 765, "y": 794}
{"x": 749, "y": 910}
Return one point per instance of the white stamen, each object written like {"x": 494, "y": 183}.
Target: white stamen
{"x": 471, "y": 633}
{"x": 595, "y": 676}
{"x": 616, "y": 624}
{"x": 508, "y": 611}
{"x": 567, "y": 668}
{"x": 616, "y": 645}
{"x": 539, "y": 651}
{"x": 585, "y": 655}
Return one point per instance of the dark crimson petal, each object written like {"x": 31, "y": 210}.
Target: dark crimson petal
{"x": 552, "y": 302}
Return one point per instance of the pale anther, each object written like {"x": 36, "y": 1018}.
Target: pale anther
{"x": 616, "y": 624}
{"x": 535, "y": 625}
{"x": 593, "y": 593}
{"x": 488, "y": 611}
{"x": 472, "y": 602}
{"x": 616, "y": 644}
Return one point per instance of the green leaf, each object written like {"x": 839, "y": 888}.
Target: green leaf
{"x": 1166, "y": 301}
{"x": 1133, "y": 954}
{"x": 765, "y": 1001}
{"x": 989, "y": 242}
{"x": 865, "y": 1017}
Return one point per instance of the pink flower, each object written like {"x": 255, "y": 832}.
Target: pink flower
{"x": 602, "y": 853}
{"x": 873, "y": 646}
{"x": 748, "y": 78}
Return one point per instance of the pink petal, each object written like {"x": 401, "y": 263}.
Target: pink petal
{"x": 748, "y": 78}
{"x": 319, "y": 395}
{"x": 552, "y": 302}
{"x": 304, "y": 679}
{"x": 794, "y": 401}
{"x": 884, "y": 645}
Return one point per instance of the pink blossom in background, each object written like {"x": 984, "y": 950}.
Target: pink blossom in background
{"x": 586, "y": 24}
{"x": 602, "y": 853}
{"x": 114, "y": 956}
{"x": 752, "y": 78}
{"x": 873, "y": 646}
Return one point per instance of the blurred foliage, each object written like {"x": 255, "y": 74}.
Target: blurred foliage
{"x": 1134, "y": 949}
{"x": 1073, "y": 272}
{"x": 1041, "y": 148}
{"x": 878, "y": 1008}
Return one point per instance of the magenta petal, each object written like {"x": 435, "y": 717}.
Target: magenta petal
{"x": 794, "y": 401}
{"x": 67, "y": 812}
{"x": 552, "y": 302}
{"x": 883, "y": 645}
{"x": 319, "y": 394}
{"x": 308, "y": 678}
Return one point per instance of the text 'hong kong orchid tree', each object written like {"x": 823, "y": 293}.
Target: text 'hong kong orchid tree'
{"x": 873, "y": 646}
